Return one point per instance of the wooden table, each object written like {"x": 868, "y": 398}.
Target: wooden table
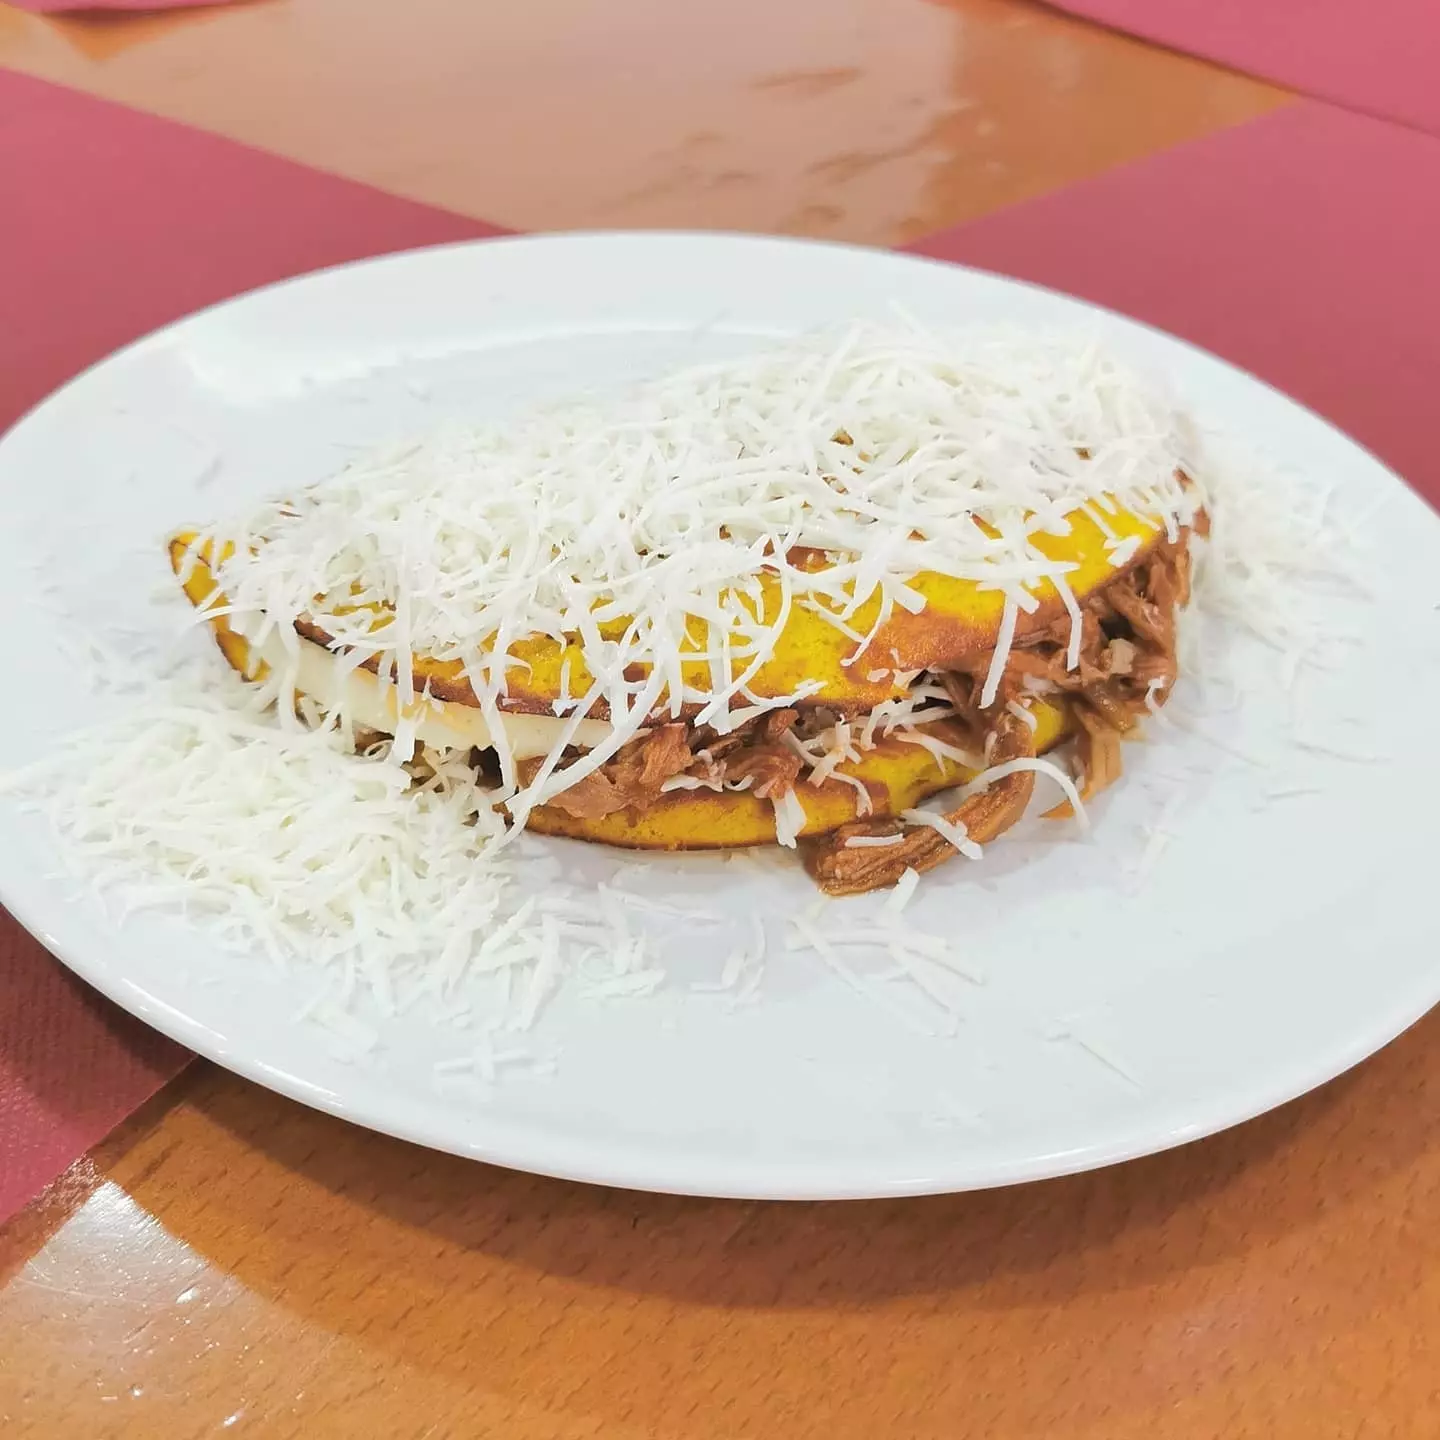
{"x": 228, "y": 1261}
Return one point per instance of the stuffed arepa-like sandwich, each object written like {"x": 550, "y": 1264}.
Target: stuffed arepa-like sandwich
{"x": 777, "y": 600}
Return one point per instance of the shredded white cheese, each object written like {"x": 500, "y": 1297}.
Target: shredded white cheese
{"x": 391, "y": 886}
{"x": 899, "y": 897}
{"x": 1041, "y": 766}
{"x": 789, "y": 818}
{"x": 946, "y": 829}
{"x": 1004, "y": 639}
{"x": 1023, "y": 713}
{"x": 641, "y": 527}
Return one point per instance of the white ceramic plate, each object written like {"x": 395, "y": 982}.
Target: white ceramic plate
{"x": 1285, "y": 930}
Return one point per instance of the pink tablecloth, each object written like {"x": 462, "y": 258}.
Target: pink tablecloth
{"x": 1381, "y": 57}
{"x": 60, "y": 7}
{"x": 1301, "y": 246}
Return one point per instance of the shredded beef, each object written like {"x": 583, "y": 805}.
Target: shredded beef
{"x": 772, "y": 768}
{"x": 645, "y": 764}
{"x": 1126, "y": 665}
{"x": 592, "y": 797}
{"x": 772, "y": 726}
{"x": 632, "y": 780}
{"x": 1097, "y": 753}
{"x": 842, "y": 870}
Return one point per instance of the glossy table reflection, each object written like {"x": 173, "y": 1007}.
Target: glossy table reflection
{"x": 871, "y": 120}
{"x": 228, "y": 1262}
{"x": 230, "y": 1259}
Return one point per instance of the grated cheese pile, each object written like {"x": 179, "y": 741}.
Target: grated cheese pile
{"x": 623, "y": 523}
{"x": 387, "y": 883}
{"x": 284, "y": 839}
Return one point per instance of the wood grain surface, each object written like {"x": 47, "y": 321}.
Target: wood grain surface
{"x": 872, "y": 120}
{"x": 228, "y": 1262}
{"x": 229, "y": 1259}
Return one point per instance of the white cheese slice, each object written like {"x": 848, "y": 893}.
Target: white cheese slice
{"x": 375, "y": 703}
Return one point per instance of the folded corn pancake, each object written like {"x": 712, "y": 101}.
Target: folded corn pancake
{"x": 782, "y": 598}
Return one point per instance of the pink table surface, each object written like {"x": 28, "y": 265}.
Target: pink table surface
{"x": 1381, "y": 57}
{"x": 62, "y": 7}
{"x": 1302, "y": 246}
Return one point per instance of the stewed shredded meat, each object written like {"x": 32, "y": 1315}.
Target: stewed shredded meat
{"x": 643, "y": 766}
{"x": 755, "y": 752}
{"x": 772, "y": 769}
{"x": 592, "y": 797}
{"x": 1097, "y": 753}
{"x": 635, "y": 778}
{"x": 842, "y": 870}
{"x": 1125, "y": 666}
{"x": 632, "y": 780}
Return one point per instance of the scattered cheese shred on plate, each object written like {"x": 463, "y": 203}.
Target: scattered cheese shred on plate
{"x": 389, "y": 880}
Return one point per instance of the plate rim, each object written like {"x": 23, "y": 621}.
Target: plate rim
{"x": 744, "y": 237}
